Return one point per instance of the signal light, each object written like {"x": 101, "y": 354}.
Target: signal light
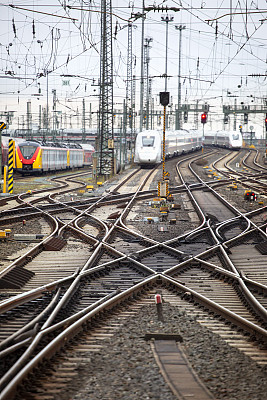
{"x": 245, "y": 118}
{"x": 204, "y": 118}
{"x": 164, "y": 98}
{"x": 250, "y": 196}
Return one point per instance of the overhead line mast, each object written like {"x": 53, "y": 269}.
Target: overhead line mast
{"x": 105, "y": 131}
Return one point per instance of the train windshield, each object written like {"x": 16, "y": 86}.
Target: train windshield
{"x": 235, "y": 136}
{"x": 27, "y": 150}
{"x": 148, "y": 141}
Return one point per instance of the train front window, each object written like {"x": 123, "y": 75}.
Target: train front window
{"x": 235, "y": 136}
{"x": 27, "y": 150}
{"x": 148, "y": 141}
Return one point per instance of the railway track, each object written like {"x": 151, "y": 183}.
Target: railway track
{"x": 114, "y": 252}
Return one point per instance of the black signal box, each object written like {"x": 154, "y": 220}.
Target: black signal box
{"x": 164, "y": 98}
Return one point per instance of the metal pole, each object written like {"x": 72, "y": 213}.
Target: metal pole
{"x": 29, "y": 132}
{"x": 83, "y": 123}
{"x": 54, "y": 113}
{"x": 47, "y": 105}
{"x": 142, "y": 69}
{"x": 163, "y": 143}
{"x": 167, "y": 19}
{"x": 40, "y": 119}
{"x": 178, "y": 124}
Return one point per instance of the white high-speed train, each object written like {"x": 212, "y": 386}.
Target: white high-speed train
{"x": 148, "y": 145}
{"x": 228, "y": 139}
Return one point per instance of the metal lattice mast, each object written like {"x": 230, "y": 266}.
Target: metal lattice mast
{"x": 146, "y": 69}
{"x": 129, "y": 88}
{"x": 83, "y": 123}
{"x": 178, "y": 122}
{"x": 133, "y": 101}
{"x": 129, "y": 85}
{"x": 106, "y": 134}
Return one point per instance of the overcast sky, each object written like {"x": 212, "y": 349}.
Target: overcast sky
{"x": 221, "y": 48}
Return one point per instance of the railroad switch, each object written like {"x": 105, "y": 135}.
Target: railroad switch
{"x": 99, "y": 183}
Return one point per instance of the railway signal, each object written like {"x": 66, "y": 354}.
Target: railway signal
{"x": 204, "y": 117}
{"x": 164, "y": 98}
{"x": 266, "y": 122}
{"x": 245, "y": 118}
{"x": 250, "y": 195}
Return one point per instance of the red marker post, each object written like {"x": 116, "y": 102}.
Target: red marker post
{"x": 158, "y": 301}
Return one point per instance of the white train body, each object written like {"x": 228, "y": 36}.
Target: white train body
{"x": 148, "y": 148}
{"x": 148, "y": 145}
{"x": 227, "y": 139}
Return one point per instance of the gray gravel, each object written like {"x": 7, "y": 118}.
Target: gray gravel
{"x": 125, "y": 368}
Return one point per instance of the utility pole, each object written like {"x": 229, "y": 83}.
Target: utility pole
{"x": 105, "y": 131}
{"x": 146, "y": 67}
{"x": 90, "y": 115}
{"x": 142, "y": 70}
{"x": 163, "y": 189}
{"x": 40, "y": 119}
{"x": 133, "y": 103}
{"x": 54, "y": 113}
{"x": 178, "y": 124}
{"x": 129, "y": 88}
{"x": 83, "y": 123}
{"x": 47, "y": 107}
{"x": 29, "y": 120}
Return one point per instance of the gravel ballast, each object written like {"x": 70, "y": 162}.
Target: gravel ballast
{"x": 126, "y": 369}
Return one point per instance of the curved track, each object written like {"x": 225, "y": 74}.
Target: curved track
{"x": 108, "y": 250}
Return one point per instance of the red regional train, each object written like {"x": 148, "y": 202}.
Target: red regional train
{"x": 36, "y": 157}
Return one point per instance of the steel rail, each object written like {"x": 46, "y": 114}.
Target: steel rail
{"x": 72, "y": 330}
